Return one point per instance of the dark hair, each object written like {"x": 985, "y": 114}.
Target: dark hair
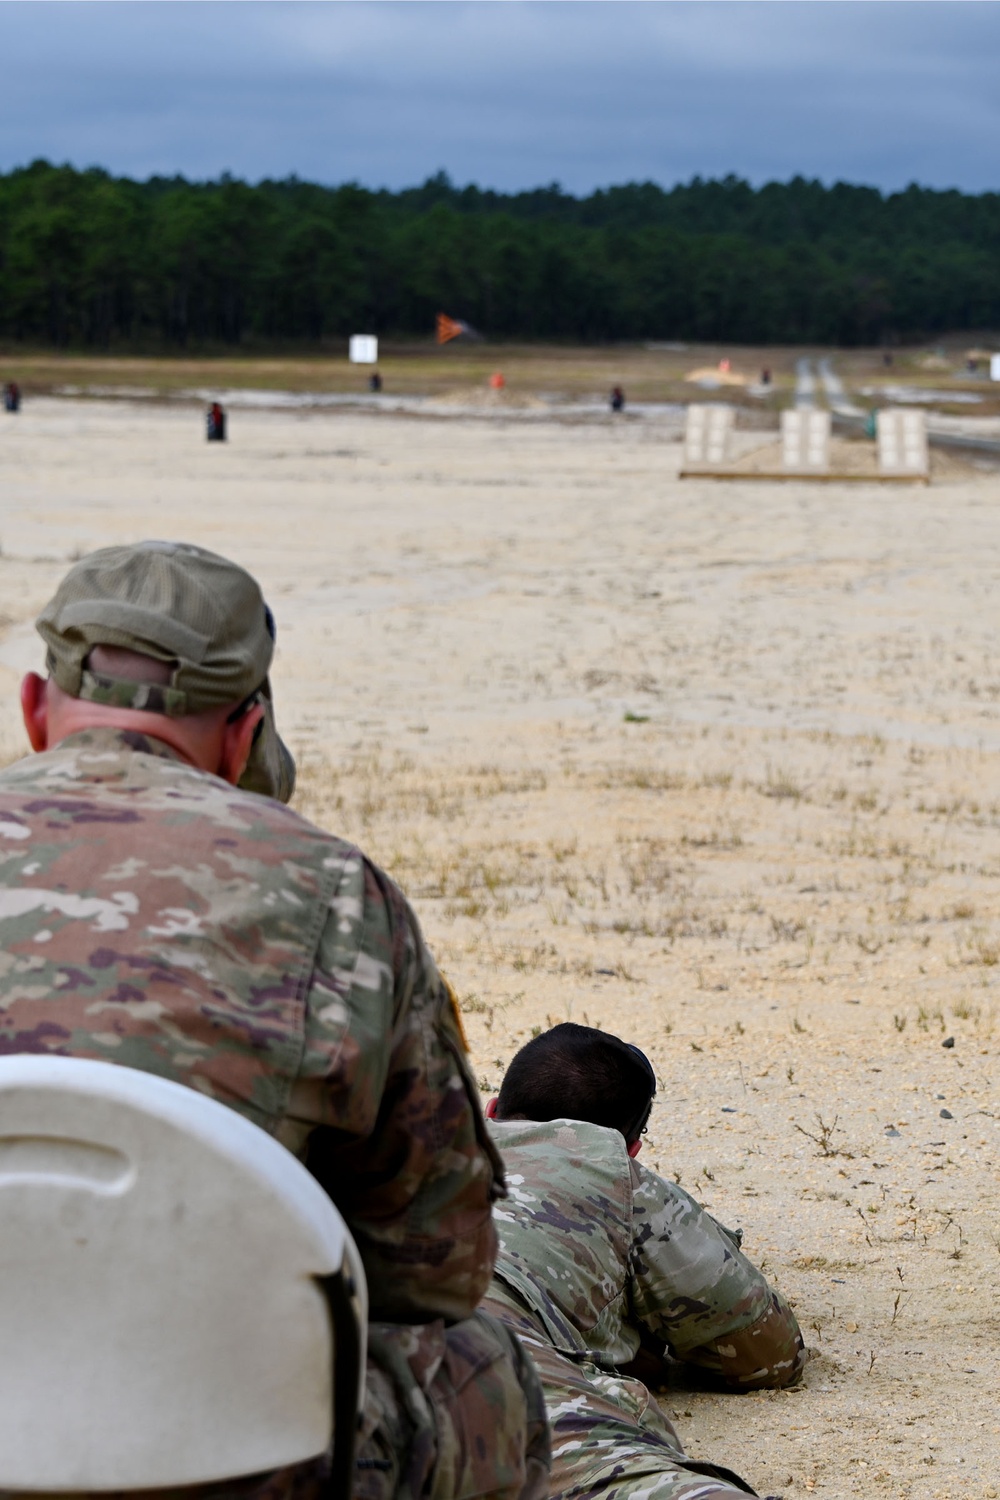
{"x": 578, "y": 1073}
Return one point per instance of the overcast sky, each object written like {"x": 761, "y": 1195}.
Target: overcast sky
{"x": 508, "y": 95}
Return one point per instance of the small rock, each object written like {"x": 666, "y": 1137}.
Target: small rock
{"x": 727, "y": 1109}
{"x": 946, "y": 1114}
{"x": 891, "y": 1130}
{"x": 949, "y": 1041}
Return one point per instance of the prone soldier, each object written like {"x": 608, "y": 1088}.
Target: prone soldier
{"x": 601, "y": 1258}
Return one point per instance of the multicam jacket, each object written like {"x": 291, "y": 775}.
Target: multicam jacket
{"x": 154, "y": 916}
{"x": 600, "y": 1251}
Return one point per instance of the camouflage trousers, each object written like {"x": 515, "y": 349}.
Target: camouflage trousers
{"x": 610, "y": 1440}
{"x": 452, "y": 1413}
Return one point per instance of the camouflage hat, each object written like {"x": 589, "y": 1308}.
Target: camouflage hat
{"x": 200, "y": 613}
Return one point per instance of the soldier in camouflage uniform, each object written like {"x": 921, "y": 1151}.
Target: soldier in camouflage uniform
{"x": 160, "y": 908}
{"x": 599, "y": 1256}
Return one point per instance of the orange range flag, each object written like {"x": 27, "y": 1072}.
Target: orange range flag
{"x": 452, "y": 328}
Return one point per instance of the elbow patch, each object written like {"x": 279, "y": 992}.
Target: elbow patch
{"x": 767, "y": 1354}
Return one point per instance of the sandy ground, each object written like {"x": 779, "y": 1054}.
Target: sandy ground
{"x": 716, "y": 766}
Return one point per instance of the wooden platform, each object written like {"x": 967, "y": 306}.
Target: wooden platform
{"x": 849, "y": 461}
{"x": 829, "y": 476}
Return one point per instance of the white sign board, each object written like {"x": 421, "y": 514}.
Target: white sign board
{"x": 902, "y": 441}
{"x": 995, "y": 366}
{"x": 364, "y": 349}
{"x": 706, "y": 435}
{"x": 805, "y": 441}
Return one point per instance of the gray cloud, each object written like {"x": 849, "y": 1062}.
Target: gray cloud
{"x": 507, "y": 95}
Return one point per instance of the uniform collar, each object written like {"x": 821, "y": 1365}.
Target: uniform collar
{"x": 115, "y": 741}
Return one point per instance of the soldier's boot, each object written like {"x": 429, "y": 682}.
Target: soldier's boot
{"x": 451, "y": 1413}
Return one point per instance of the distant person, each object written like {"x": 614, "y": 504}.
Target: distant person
{"x": 617, "y": 398}
{"x": 216, "y": 422}
{"x": 887, "y": 360}
{"x": 497, "y": 382}
{"x": 375, "y": 383}
{"x": 12, "y": 396}
{"x": 765, "y": 376}
{"x": 601, "y": 1257}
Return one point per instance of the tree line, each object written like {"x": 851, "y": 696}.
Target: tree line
{"x": 96, "y": 261}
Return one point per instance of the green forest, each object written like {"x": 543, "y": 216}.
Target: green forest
{"x": 89, "y": 260}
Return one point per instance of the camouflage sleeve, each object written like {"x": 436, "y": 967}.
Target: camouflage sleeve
{"x": 694, "y": 1288}
{"x": 401, "y": 1144}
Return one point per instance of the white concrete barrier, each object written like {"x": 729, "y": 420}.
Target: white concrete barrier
{"x": 901, "y": 436}
{"x": 805, "y": 441}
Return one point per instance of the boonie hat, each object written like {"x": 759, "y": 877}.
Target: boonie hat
{"x": 202, "y": 614}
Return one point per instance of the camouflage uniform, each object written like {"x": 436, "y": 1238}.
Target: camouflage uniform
{"x": 155, "y": 916}
{"x": 596, "y": 1253}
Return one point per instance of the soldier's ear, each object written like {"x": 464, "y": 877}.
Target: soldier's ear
{"x": 635, "y": 1147}
{"x": 35, "y": 710}
{"x": 491, "y": 1108}
{"x": 237, "y": 742}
